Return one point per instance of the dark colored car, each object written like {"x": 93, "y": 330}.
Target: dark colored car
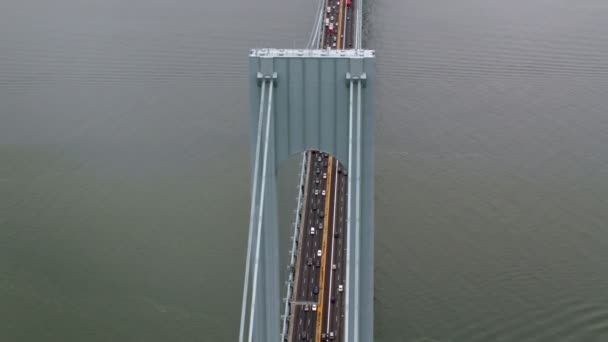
{"x": 315, "y": 290}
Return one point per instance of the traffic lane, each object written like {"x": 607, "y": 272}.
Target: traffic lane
{"x": 297, "y": 317}
{"x": 328, "y": 263}
{"x": 318, "y": 198}
{"x": 311, "y": 239}
{"x": 349, "y": 20}
{"x": 317, "y": 237}
{"x": 302, "y": 318}
{"x": 334, "y": 314}
{"x": 310, "y": 273}
{"x": 334, "y": 317}
{"x": 305, "y": 247}
{"x": 339, "y": 326}
{"x": 327, "y": 38}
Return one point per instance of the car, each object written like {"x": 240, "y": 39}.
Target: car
{"x": 324, "y": 175}
{"x": 336, "y": 234}
{"x": 318, "y": 263}
{"x": 332, "y": 335}
{"x": 340, "y": 288}
{"x": 319, "y": 159}
{"x": 333, "y": 299}
{"x": 315, "y": 290}
{"x": 312, "y": 230}
{"x": 333, "y": 267}
{"x": 323, "y": 337}
{"x": 335, "y": 38}
{"x": 345, "y": 172}
{"x": 339, "y": 169}
{"x": 319, "y": 253}
{"x": 303, "y": 335}
{"x": 314, "y": 307}
{"x": 317, "y": 192}
{"x": 317, "y": 170}
{"x": 314, "y": 206}
{"x": 320, "y": 225}
{"x": 321, "y": 213}
{"x": 323, "y": 192}
{"x": 317, "y": 181}
{"x": 309, "y": 261}
{"x": 325, "y": 162}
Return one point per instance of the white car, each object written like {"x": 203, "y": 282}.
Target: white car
{"x": 340, "y": 288}
{"x": 319, "y": 253}
{"x": 314, "y": 307}
{"x": 325, "y": 173}
{"x": 317, "y": 192}
{"x": 323, "y": 192}
{"x": 312, "y": 230}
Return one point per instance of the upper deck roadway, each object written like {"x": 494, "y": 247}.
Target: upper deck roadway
{"x": 317, "y": 310}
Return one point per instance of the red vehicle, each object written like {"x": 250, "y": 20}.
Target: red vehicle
{"x": 331, "y": 29}
{"x": 348, "y": 3}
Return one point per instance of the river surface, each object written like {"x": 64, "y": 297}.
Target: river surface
{"x": 124, "y": 167}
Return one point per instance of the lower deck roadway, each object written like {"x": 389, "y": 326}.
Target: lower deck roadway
{"x": 307, "y": 288}
{"x": 317, "y": 303}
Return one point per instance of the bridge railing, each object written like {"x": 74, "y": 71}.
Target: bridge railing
{"x": 294, "y": 249}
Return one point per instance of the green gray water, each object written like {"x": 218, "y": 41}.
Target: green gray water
{"x": 124, "y": 167}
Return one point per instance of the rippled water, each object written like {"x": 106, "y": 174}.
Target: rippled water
{"x": 124, "y": 167}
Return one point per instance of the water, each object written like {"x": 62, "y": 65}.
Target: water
{"x": 124, "y": 167}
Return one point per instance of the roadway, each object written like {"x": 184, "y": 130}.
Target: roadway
{"x": 317, "y": 303}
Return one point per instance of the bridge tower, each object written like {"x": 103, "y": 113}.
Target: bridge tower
{"x": 309, "y": 100}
